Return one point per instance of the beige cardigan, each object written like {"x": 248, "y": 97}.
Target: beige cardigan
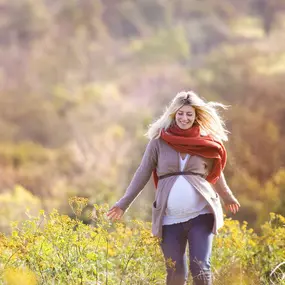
{"x": 165, "y": 159}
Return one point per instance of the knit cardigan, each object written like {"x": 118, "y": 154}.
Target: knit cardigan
{"x": 160, "y": 156}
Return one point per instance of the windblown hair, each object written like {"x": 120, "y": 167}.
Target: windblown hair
{"x": 207, "y": 116}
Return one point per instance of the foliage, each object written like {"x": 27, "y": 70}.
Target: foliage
{"x": 66, "y": 251}
{"x": 13, "y": 275}
{"x": 165, "y": 45}
{"x": 61, "y": 250}
{"x": 13, "y": 206}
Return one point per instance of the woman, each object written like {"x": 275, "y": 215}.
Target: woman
{"x": 186, "y": 156}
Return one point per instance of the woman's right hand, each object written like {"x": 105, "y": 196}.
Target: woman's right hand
{"x": 115, "y": 213}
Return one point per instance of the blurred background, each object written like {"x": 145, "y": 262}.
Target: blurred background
{"x": 80, "y": 81}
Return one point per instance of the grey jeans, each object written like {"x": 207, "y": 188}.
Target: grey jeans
{"x": 198, "y": 233}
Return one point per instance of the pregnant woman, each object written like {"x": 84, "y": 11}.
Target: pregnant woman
{"x": 186, "y": 156}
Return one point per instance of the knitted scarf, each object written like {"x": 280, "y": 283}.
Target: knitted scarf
{"x": 190, "y": 141}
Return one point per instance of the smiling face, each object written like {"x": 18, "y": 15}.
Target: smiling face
{"x": 185, "y": 117}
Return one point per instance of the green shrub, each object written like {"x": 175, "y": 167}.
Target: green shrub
{"x": 56, "y": 249}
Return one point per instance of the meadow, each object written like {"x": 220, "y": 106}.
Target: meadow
{"x": 56, "y": 249}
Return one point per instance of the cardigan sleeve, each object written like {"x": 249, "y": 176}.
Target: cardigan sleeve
{"x": 141, "y": 176}
{"x": 222, "y": 188}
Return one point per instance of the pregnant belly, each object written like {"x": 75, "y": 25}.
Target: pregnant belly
{"x": 184, "y": 198}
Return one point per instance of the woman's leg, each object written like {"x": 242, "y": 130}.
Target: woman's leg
{"x": 200, "y": 239}
{"x": 173, "y": 245}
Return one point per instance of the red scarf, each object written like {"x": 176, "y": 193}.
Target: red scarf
{"x": 190, "y": 141}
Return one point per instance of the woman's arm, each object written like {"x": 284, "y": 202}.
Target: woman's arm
{"x": 222, "y": 188}
{"x": 141, "y": 176}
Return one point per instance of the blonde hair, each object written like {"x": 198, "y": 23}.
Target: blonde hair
{"x": 207, "y": 116}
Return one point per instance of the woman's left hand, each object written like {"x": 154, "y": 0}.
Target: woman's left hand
{"x": 233, "y": 207}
